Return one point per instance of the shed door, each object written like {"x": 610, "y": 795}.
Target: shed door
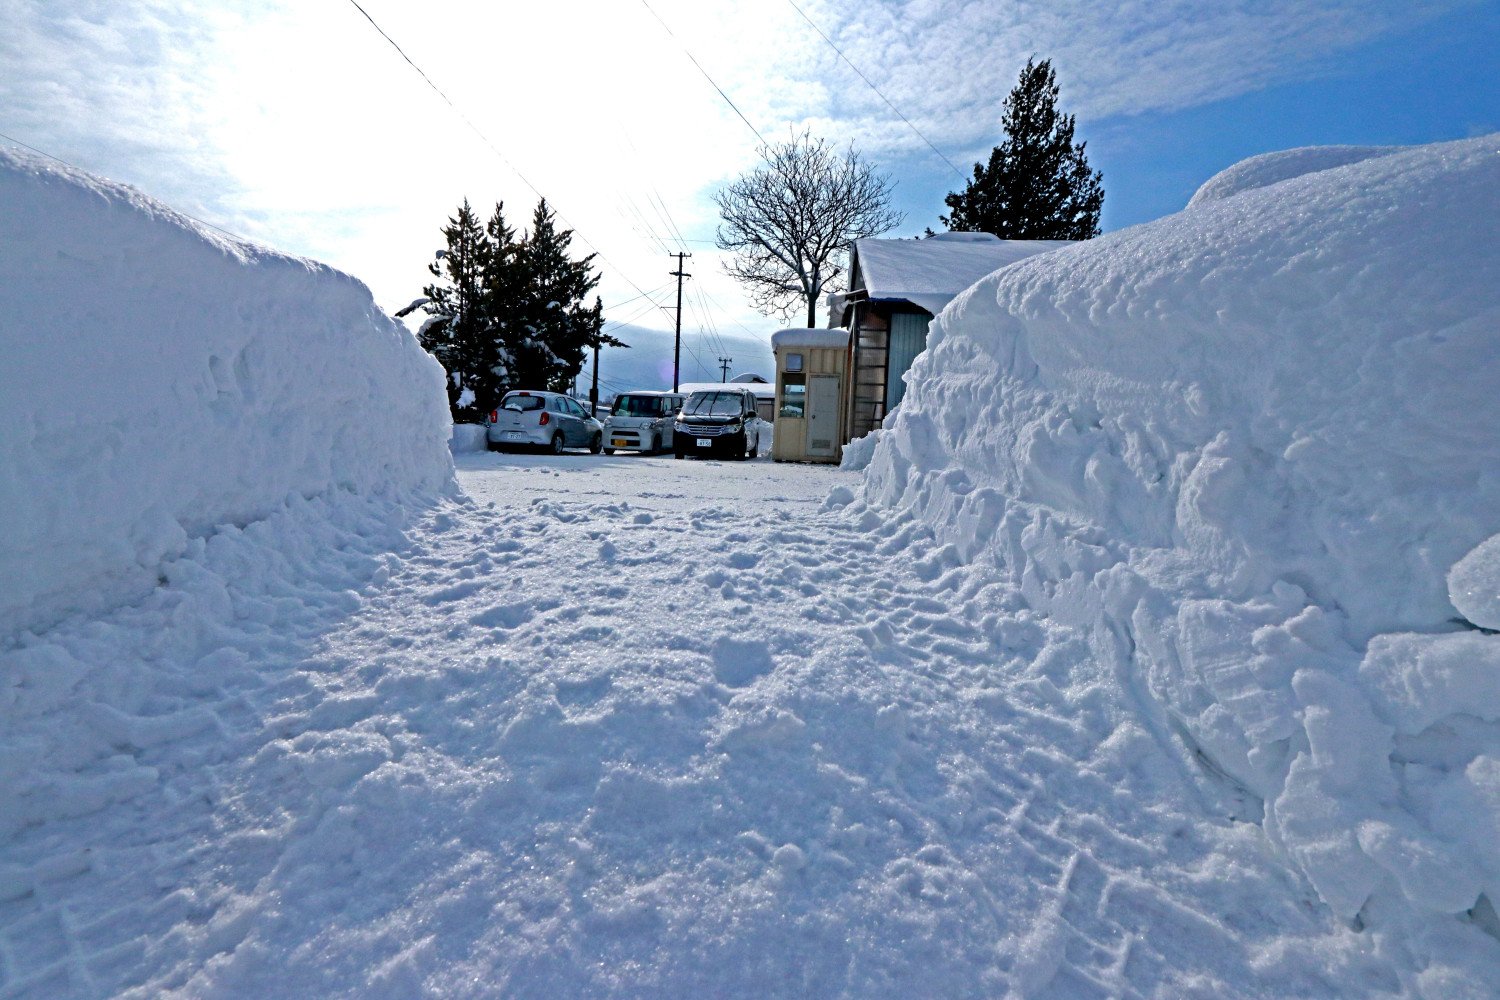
{"x": 822, "y": 415}
{"x": 908, "y": 339}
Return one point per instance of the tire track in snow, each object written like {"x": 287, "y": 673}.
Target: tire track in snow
{"x": 580, "y": 748}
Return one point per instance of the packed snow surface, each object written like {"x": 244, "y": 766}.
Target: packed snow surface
{"x": 1112, "y": 676}
{"x": 622, "y": 726}
{"x": 158, "y": 379}
{"x": 1241, "y": 449}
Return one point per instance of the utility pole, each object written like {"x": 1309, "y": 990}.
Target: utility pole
{"x": 679, "y": 274}
{"x": 594, "y": 387}
{"x": 724, "y": 368}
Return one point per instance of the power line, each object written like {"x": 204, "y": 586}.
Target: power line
{"x": 877, "y": 90}
{"x": 705, "y": 317}
{"x": 688, "y": 52}
{"x": 537, "y": 191}
{"x": 666, "y": 214}
{"x": 622, "y": 322}
{"x": 626, "y": 302}
{"x": 493, "y": 148}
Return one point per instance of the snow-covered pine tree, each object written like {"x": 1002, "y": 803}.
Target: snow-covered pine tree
{"x": 503, "y": 298}
{"x": 455, "y": 326}
{"x": 559, "y": 327}
{"x": 1037, "y": 185}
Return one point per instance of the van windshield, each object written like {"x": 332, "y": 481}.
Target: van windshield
{"x": 713, "y": 404}
{"x": 640, "y": 406}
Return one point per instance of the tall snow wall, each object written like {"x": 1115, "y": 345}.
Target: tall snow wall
{"x": 1242, "y": 447}
{"x": 157, "y": 379}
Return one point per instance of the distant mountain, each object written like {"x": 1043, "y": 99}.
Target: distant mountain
{"x": 647, "y": 363}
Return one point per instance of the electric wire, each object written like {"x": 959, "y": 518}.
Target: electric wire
{"x": 537, "y": 191}
{"x": 655, "y": 291}
{"x": 666, "y": 214}
{"x": 688, "y": 52}
{"x": 653, "y": 306}
{"x": 871, "y": 84}
{"x": 493, "y": 148}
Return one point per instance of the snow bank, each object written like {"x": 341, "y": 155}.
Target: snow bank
{"x": 1273, "y": 168}
{"x": 1242, "y": 447}
{"x": 158, "y": 380}
{"x": 467, "y": 437}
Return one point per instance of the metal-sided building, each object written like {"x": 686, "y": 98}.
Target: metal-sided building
{"x": 896, "y": 287}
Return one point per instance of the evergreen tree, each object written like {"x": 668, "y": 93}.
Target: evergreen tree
{"x": 1037, "y": 185}
{"x": 559, "y": 328}
{"x": 507, "y": 312}
{"x": 504, "y": 293}
{"x": 454, "y": 332}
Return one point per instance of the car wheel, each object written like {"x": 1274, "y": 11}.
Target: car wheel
{"x": 655, "y": 448}
{"x": 557, "y": 443}
{"x": 678, "y": 454}
{"x": 491, "y": 445}
{"x": 596, "y": 445}
{"x": 609, "y": 451}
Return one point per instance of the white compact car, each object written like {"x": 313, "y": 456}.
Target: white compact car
{"x": 641, "y": 421}
{"x": 533, "y": 419}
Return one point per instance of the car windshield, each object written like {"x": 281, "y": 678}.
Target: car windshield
{"x": 712, "y": 404}
{"x": 640, "y": 406}
{"x": 523, "y": 403}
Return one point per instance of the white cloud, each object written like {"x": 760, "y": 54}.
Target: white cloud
{"x": 295, "y": 123}
{"x": 948, "y": 64}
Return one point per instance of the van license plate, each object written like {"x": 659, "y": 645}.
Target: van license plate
{"x": 618, "y": 442}
{"x": 705, "y": 442}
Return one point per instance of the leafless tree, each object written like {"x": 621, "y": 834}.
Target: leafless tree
{"x": 789, "y": 222}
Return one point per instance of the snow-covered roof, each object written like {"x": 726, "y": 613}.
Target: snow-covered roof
{"x": 930, "y": 273}
{"x": 762, "y": 390}
{"x": 809, "y": 338}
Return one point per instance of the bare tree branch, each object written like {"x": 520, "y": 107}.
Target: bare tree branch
{"x": 790, "y": 222}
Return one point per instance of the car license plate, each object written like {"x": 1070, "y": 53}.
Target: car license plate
{"x": 705, "y": 442}
{"x": 619, "y": 442}
{"x": 513, "y": 435}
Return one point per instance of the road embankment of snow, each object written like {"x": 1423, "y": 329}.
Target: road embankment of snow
{"x": 158, "y": 380}
{"x": 467, "y": 438}
{"x": 1243, "y": 447}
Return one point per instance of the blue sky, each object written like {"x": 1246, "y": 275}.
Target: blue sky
{"x": 297, "y": 125}
{"x": 1435, "y": 82}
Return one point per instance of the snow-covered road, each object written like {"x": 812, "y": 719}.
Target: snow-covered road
{"x": 628, "y": 727}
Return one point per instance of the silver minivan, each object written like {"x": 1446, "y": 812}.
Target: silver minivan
{"x": 641, "y": 421}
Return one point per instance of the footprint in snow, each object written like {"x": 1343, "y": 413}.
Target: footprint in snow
{"x": 504, "y": 616}
{"x": 738, "y": 662}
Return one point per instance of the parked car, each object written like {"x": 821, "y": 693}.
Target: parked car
{"x": 641, "y": 421}
{"x": 542, "y": 420}
{"x": 718, "y": 422}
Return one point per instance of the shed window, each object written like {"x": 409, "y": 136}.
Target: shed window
{"x": 793, "y": 395}
{"x": 794, "y": 362}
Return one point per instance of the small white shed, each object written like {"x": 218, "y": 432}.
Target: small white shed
{"x": 812, "y": 366}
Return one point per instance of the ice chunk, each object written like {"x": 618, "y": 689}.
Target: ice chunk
{"x": 1474, "y": 584}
